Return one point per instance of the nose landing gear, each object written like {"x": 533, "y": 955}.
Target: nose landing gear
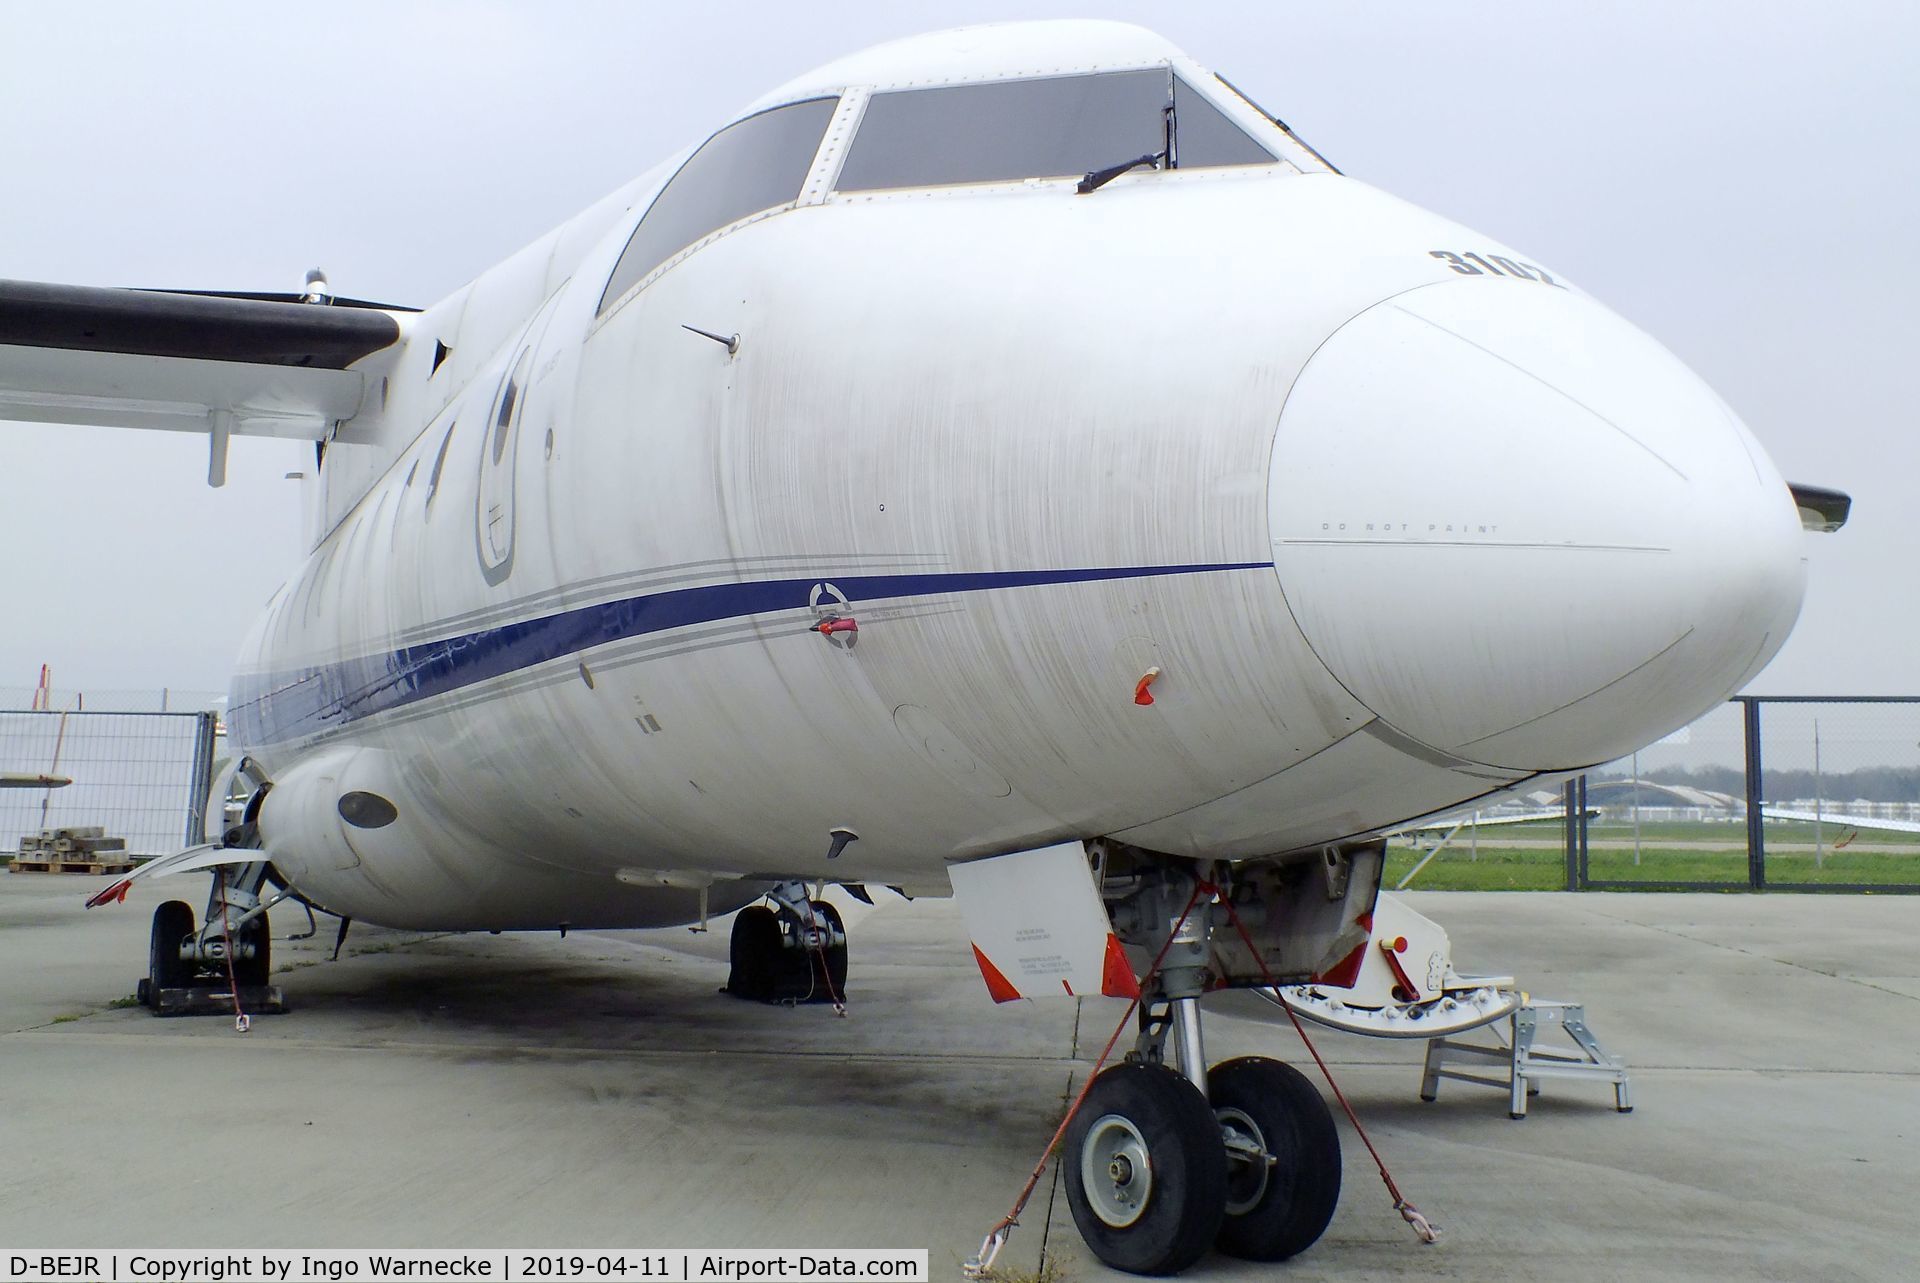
{"x": 1165, "y": 1160}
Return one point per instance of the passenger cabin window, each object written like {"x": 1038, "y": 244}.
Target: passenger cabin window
{"x": 751, "y": 165}
{"x": 510, "y": 395}
{"x": 439, "y": 466}
{"x": 1046, "y": 128}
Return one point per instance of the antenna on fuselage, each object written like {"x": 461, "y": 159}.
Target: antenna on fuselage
{"x": 731, "y": 342}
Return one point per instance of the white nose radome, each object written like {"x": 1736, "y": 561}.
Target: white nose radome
{"x": 1521, "y": 531}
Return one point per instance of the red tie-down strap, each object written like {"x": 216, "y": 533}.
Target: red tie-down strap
{"x": 1427, "y": 1231}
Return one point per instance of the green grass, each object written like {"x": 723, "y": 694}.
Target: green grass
{"x": 1732, "y": 833}
{"x": 1533, "y": 869}
{"x": 1735, "y": 832}
{"x": 1050, "y": 1271}
{"x": 1529, "y": 857}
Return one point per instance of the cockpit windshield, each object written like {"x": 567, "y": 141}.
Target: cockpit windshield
{"x": 1040, "y": 128}
{"x": 754, "y": 164}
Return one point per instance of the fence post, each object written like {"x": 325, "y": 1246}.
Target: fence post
{"x": 1581, "y": 820}
{"x": 202, "y": 780}
{"x": 1756, "y": 833}
{"x": 1573, "y": 833}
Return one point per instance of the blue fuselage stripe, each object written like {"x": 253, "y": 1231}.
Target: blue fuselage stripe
{"x": 283, "y": 707}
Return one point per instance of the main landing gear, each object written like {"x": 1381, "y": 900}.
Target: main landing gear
{"x": 793, "y": 952}
{"x": 222, "y": 966}
{"x": 201, "y": 971}
{"x": 1166, "y": 1160}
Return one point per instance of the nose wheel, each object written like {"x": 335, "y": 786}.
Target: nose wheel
{"x": 1157, "y": 1173}
{"x": 1146, "y": 1170}
{"x": 1283, "y": 1158}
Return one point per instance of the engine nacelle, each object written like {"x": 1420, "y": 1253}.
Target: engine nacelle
{"x": 325, "y": 815}
{"x": 349, "y": 828}
{"x": 359, "y": 833}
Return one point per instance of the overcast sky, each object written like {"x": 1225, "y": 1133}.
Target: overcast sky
{"x": 1740, "y": 179}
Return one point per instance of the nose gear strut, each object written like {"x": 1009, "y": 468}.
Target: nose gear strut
{"x": 1242, "y": 1155}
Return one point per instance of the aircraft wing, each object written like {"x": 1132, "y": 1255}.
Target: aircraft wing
{"x": 1821, "y": 510}
{"x": 1457, "y": 820}
{"x": 219, "y": 364}
{"x": 1841, "y": 817}
{"x": 15, "y": 780}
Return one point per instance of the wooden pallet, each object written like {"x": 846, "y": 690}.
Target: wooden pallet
{"x": 35, "y": 863}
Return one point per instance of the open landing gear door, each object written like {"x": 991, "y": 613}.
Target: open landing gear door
{"x": 1405, "y": 985}
{"x": 1038, "y": 926}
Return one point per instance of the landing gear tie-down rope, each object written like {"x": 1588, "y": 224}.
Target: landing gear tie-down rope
{"x": 1427, "y": 1230}
{"x": 817, "y": 953}
{"x": 996, "y": 1238}
{"x": 242, "y": 1022}
{"x": 982, "y": 1262}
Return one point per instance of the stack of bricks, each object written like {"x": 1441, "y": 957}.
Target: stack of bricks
{"x": 81, "y": 849}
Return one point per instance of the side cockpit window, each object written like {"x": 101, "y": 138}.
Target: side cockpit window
{"x": 1207, "y": 137}
{"x": 1054, "y": 127}
{"x": 752, "y": 165}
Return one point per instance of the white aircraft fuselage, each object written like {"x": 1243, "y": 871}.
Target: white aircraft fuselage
{"x": 1385, "y": 515}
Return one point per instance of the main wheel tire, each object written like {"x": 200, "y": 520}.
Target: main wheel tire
{"x": 834, "y": 979}
{"x": 1275, "y": 1210}
{"x": 251, "y": 973}
{"x": 172, "y": 923}
{"x": 1146, "y": 1170}
{"x": 754, "y": 953}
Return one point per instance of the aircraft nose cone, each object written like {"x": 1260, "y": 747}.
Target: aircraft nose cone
{"x": 1521, "y": 531}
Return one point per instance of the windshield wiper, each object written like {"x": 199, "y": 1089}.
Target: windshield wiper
{"x": 1098, "y": 178}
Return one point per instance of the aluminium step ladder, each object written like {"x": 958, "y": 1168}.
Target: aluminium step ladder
{"x": 1526, "y": 1063}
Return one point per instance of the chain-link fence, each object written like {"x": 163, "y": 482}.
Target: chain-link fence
{"x": 61, "y": 700}
{"x": 1782, "y": 793}
{"x": 1840, "y": 794}
{"x": 1673, "y": 812}
{"x": 141, "y": 777}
